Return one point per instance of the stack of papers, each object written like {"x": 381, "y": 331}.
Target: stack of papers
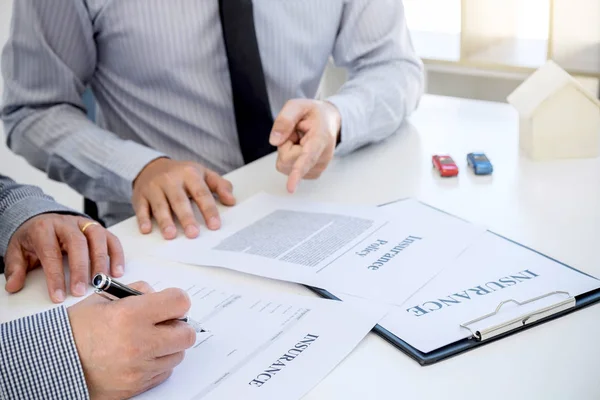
{"x": 436, "y": 271}
{"x": 258, "y": 345}
{"x": 491, "y": 271}
{"x": 367, "y": 252}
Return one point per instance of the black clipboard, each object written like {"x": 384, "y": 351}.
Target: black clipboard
{"x": 464, "y": 345}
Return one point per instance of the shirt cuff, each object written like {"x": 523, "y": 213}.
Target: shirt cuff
{"x": 354, "y": 128}
{"x": 116, "y": 162}
{"x": 23, "y": 210}
{"x": 39, "y": 360}
{"x": 129, "y": 160}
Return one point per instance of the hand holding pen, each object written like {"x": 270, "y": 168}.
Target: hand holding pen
{"x": 112, "y": 290}
{"x": 131, "y": 345}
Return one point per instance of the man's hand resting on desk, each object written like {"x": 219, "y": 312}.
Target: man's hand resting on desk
{"x": 306, "y": 133}
{"x": 131, "y": 345}
{"x": 165, "y": 185}
{"x": 43, "y": 239}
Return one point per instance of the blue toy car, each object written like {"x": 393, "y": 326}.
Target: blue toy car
{"x": 480, "y": 163}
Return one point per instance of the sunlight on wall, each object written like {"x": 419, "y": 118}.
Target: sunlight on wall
{"x": 444, "y": 16}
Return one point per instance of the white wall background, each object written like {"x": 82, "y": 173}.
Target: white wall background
{"x": 16, "y": 167}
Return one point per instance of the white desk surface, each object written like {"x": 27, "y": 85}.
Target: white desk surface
{"x": 553, "y": 207}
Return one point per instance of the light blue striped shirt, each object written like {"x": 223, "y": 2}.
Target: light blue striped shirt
{"x": 159, "y": 72}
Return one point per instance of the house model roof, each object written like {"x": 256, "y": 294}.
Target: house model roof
{"x": 542, "y": 84}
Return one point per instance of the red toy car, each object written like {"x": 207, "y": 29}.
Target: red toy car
{"x": 445, "y": 165}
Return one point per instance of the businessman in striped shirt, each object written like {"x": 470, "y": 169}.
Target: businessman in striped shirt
{"x": 189, "y": 90}
{"x": 96, "y": 348}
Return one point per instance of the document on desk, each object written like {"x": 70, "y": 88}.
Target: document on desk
{"x": 492, "y": 270}
{"x": 258, "y": 345}
{"x": 363, "y": 251}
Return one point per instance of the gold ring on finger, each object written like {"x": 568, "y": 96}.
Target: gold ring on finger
{"x": 87, "y": 225}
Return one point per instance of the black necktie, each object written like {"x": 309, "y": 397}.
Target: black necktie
{"x": 253, "y": 116}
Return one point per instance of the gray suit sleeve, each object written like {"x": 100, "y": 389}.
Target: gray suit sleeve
{"x": 19, "y": 203}
{"x": 39, "y": 360}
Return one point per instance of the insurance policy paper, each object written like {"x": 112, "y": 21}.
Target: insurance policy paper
{"x": 259, "y": 345}
{"x": 369, "y": 252}
{"x": 490, "y": 271}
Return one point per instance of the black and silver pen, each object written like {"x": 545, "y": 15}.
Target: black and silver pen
{"x": 104, "y": 284}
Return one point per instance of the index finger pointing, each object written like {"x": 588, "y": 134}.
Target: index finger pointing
{"x": 307, "y": 160}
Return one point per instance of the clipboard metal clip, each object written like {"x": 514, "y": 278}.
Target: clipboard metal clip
{"x": 484, "y": 334}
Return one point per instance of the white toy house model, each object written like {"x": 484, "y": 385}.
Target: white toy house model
{"x": 558, "y": 117}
